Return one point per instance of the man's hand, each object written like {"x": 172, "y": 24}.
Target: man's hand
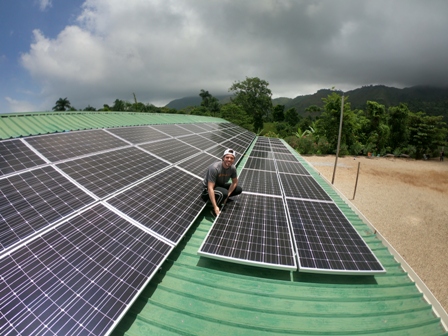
{"x": 216, "y": 210}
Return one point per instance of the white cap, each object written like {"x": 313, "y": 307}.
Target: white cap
{"x": 229, "y": 151}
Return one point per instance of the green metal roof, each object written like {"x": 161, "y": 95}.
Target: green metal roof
{"x": 14, "y": 125}
{"x": 193, "y": 295}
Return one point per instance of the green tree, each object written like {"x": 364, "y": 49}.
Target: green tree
{"x": 62, "y": 104}
{"x": 210, "y": 103}
{"x": 235, "y": 114}
{"x": 427, "y": 133}
{"x": 279, "y": 113}
{"x": 200, "y": 110}
{"x": 398, "y": 124}
{"x": 291, "y": 117}
{"x": 89, "y": 108}
{"x": 313, "y": 109}
{"x": 254, "y": 97}
{"x": 328, "y": 124}
{"x": 119, "y": 105}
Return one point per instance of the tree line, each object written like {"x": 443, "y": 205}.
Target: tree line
{"x": 376, "y": 129}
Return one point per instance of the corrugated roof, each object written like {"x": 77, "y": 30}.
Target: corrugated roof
{"x": 14, "y": 125}
{"x": 193, "y": 295}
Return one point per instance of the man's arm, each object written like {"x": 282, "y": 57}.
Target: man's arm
{"x": 233, "y": 186}
{"x": 211, "y": 195}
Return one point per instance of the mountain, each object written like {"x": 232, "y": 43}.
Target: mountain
{"x": 432, "y": 100}
{"x": 182, "y": 103}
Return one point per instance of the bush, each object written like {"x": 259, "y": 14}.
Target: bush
{"x": 323, "y": 146}
{"x": 293, "y": 141}
{"x": 271, "y": 134}
{"x": 307, "y": 145}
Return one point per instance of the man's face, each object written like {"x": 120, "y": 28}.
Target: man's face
{"x": 228, "y": 161}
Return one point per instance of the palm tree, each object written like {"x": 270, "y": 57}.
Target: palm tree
{"x": 62, "y": 105}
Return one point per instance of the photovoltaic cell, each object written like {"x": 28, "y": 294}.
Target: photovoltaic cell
{"x": 195, "y": 128}
{"x": 327, "y": 242}
{"x": 198, "y": 164}
{"x": 77, "y": 278}
{"x": 214, "y": 136}
{"x": 16, "y": 156}
{"x": 301, "y": 186}
{"x": 34, "y": 200}
{"x": 198, "y": 141}
{"x": 173, "y": 130}
{"x": 218, "y": 151}
{"x": 108, "y": 172}
{"x": 167, "y": 203}
{"x": 283, "y": 150}
{"x": 285, "y": 156}
{"x": 137, "y": 135}
{"x": 291, "y": 167}
{"x": 171, "y": 150}
{"x": 262, "y": 154}
{"x": 260, "y": 164}
{"x": 258, "y": 181}
{"x": 63, "y": 146}
{"x": 244, "y": 234}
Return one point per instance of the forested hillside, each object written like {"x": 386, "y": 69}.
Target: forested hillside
{"x": 433, "y": 101}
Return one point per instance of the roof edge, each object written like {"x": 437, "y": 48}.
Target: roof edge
{"x": 437, "y": 308}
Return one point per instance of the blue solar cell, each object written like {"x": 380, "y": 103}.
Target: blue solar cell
{"x": 79, "y": 277}
{"x": 252, "y": 230}
{"x": 327, "y": 242}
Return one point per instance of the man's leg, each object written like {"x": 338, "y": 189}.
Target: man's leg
{"x": 220, "y": 195}
{"x": 238, "y": 190}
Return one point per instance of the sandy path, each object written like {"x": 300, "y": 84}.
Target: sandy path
{"x": 407, "y": 202}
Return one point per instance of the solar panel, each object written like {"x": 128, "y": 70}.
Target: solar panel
{"x": 262, "y": 154}
{"x": 285, "y": 156}
{"x": 260, "y": 164}
{"x": 171, "y": 150}
{"x": 16, "y": 156}
{"x": 137, "y": 135}
{"x": 244, "y": 234}
{"x": 261, "y": 147}
{"x": 259, "y": 181}
{"x": 218, "y": 151}
{"x": 301, "y": 186}
{"x": 198, "y": 141}
{"x": 79, "y": 278}
{"x": 214, "y": 136}
{"x": 63, "y": 146}
{"x": 195, "y": 128}
{"x": 281, "y": 150}
{"x": 34, "y": 200}
{"x": 167, "y": 203}
{"x": 291, "y": 167}
{"x": 327, "y": 242}
{"x": 108, "y": 172}
{"x": 173, "y": 130}
{"x": 198, "y": 164}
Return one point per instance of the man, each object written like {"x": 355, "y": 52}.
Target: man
{"x": 216, "y": 186}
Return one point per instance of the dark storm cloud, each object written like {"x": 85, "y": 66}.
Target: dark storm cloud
{"x": 163, "y": 50}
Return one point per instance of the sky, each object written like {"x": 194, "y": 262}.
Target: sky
{"x": 95, "y": 51}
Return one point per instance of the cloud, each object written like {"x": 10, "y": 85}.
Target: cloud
{"x": 44, "y": 4}
{"x": 162, "y": 50}
{"x": 20, "y": 106}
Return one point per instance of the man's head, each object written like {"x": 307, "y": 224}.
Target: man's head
{"x": 228, "y": 158}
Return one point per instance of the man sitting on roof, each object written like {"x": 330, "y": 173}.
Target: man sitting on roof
{"x": 215, "y": 183}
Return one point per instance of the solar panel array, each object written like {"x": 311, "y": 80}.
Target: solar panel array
{"x": 88, "y": 217}
{"x": 281, "y": 199}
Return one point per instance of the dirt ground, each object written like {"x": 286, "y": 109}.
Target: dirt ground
{"x": 407, "y": 202}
